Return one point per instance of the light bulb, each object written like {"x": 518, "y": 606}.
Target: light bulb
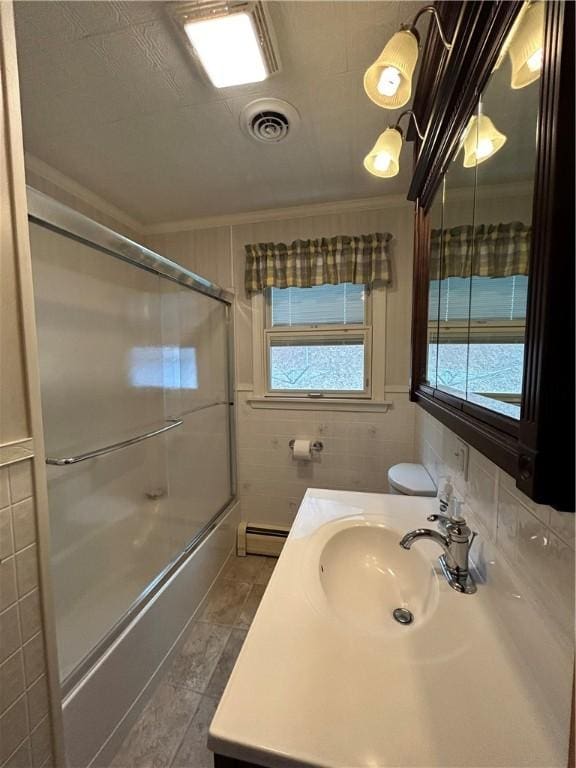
{"x": 389, "y": 81}
{"x": 484, "y": 148}
{"x": 534, "y": 62}
{"x": 382, "y": 161}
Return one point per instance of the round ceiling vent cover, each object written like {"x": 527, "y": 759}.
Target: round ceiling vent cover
{"x": 269, "y": 120}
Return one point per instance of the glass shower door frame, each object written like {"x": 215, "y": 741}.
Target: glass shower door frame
{"x": 49, "y": 213}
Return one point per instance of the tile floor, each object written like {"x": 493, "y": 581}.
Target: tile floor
{"x": 172, "y": 729}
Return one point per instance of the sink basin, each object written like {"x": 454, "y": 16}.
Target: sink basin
{"x": 359, "y": 689}
{"x": 365, "y": 575}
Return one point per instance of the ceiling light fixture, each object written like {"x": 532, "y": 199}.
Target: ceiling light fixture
{"x": 482, "y": 140}
{"x": 383, "y": 160}
{"x": 388, "y": 81}
{"x": 231, "y": 41}
{"x": 527, "y": 47}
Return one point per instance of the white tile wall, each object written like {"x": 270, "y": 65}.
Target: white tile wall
{"x": 358, "y": 450}
{"x": 24, "y": 710}
{"x": 534, "y": 543}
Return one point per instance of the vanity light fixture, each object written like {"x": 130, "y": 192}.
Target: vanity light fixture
{"x": 527, "y": 47}
{"x": 231, "y": 40}
{"x": 388, "y": 81}
{"x": 383, "y": 160}
{"x": 481, "y": 140}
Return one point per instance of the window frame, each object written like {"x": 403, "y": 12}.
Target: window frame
{"x": 317, "y": 331}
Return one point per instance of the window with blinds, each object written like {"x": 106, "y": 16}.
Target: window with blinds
{"x": 480, "y": 298}
{"x": 476, "y": 335}
{"x": 318, "y": 341}
{"x": 342, "y": 304}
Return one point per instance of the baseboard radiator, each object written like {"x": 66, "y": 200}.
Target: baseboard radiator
{"x": 261, "y": 539}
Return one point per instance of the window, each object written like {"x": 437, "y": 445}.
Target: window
{"x": 317, "y": 341}
{"x": 485, "y": 353}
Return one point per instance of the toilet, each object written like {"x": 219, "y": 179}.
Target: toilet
{"x": 410, "y": 480}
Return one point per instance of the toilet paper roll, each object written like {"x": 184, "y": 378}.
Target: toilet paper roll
{"x": 302, "y": 450}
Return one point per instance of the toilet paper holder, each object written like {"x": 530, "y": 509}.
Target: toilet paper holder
{"x": 317, "y": 445}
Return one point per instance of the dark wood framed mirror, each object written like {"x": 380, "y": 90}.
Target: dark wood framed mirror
{"x": 493, "y": 183}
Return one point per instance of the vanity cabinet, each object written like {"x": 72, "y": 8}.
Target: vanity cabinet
{"x": 493, "y": 184}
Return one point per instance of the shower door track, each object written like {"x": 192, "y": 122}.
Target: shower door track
{"x": 152, "y": 589}
{"x": 47, "y": 212}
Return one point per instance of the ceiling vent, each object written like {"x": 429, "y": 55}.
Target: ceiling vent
{"x": 269, "y": 120}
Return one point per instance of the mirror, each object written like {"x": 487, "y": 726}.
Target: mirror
{"x": 502, "y": 233}
{"x": 454, "y": 278}
{"x": 435, "y": 218}
{"x": 480, "y": 232}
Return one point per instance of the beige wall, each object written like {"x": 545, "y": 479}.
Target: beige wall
{"x": 51, "y": 182}
{"x": 28, "y": 679}
{"x": 14, "y": 421}
{"x": 359, "y": 446}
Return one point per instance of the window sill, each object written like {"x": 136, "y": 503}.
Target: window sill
{"x": 280, "y": 403}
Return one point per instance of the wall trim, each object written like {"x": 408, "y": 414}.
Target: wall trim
{"x": 321, "y": 404}
{"x": 19, "y": 450}
{"x": 47, "y": 172}
{"x": 278, "y": 214}
{"x": 56, "y": 177}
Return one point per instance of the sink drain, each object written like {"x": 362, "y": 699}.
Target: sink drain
{"x": 403, "y": 615}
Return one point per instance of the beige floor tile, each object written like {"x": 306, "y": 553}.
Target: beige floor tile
{"x": 225, "y": 601}
{"x": 155, "y": 737}
{"x": 193, "y": 752}
{"x": 195, "y": 663}
{"x": 250, "y": 607}
{"x": 226, "y": 663}
{"x": 254, "y": 569}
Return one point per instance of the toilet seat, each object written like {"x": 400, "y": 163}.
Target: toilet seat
{"x": 411, "y": 480}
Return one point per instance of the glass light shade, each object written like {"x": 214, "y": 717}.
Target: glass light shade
{"x": 383, "y": 160}
{"x": 527, "y": 47}
{"x": 399, "y": 56}
{"x": 482, "y": 141}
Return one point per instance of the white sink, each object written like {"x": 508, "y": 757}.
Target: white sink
{"x": 365, "y": 575}
{"x": 326, "y": 677}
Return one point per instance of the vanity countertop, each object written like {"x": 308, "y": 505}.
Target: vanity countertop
{"x": 483, "y": 683}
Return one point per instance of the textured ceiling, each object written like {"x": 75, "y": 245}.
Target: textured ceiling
{"x": 112, "y": 99}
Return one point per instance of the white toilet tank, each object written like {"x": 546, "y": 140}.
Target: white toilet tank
{"x": 410, "y": 480}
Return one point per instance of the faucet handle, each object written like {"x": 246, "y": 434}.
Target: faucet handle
{"x": 442, "y": 520}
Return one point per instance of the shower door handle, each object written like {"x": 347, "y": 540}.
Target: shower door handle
{"x": 65, "y": 461}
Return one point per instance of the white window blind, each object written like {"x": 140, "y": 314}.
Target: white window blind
{"x": 342, "y": 304}
{"x": 488, "y": 298}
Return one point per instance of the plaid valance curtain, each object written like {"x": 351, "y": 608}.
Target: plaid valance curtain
{"x": 488, "y": 250}
{"x": 305, "y": 263}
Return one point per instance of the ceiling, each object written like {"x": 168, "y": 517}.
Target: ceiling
{"x": 112, "y": 99}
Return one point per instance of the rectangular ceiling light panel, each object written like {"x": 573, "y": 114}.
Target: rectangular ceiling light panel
{"x": 229, "y": 49}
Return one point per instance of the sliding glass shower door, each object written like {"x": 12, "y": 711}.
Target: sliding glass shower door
{"x": 126, "y": 356}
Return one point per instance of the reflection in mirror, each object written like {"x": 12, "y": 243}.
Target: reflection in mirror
{"x": 503, "y": 217}
{"x": 435, "y": 217}
{"x": 480, "y": 246}
{"x": 453, "y": 274}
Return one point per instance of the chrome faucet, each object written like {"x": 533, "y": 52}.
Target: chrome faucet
{"x": 456, "y": 544}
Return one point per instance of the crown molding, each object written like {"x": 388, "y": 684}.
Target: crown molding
{"x": 59, "y": 179}
{"x": 50, "y": 174}
{"x": 277, "y": 214}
